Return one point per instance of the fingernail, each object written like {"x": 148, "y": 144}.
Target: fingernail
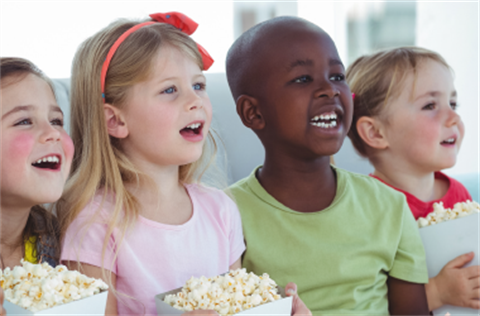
{"x": 291, "y": 291}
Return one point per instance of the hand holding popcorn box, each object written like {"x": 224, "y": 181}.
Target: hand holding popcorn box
{"x": 39, "y": 289}
{"x": 234, "y": 293}
{"x": 447, "y": 234}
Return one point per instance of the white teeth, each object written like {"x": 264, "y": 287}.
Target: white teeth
{"x": 325, "y": 125}
{"x": 194, "y": 126}
{"x": 48, "y": 159}
{"x": 332, "y": 116}
{"x": 449, "y": 141}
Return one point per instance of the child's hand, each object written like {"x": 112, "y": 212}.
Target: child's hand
{"x": 204, "y": 312}
{"x": 455, "y": 285}
{"x": 298, "y": 306}
{"x": 3, "y": 312}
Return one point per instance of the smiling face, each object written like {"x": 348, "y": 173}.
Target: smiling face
{"x": 36, "y": 152}
{"x": 422, "y": 126}
{"x": 168, "y": 116}
{"x": 305, "y": 101}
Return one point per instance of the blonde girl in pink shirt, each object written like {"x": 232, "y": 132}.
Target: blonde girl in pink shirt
{"x": 133, "y": 212}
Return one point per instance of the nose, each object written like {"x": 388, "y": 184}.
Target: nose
{"x": 453, "y": 118}
{"x": 193, "y": 101}
{"x": 327, "y": 89}
{"x": 49, "y": 133}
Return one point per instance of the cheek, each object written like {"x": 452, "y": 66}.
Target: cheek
{"x": 18, "y": 147}
{"x": 68, "y": 149}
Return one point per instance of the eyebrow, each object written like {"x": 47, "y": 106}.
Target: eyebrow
{"x": 309, "y": 62}
{"x": 27, "y": 108}
{"x": 434, "y": 94}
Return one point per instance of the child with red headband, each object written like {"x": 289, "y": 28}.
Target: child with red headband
{"x": 133, "y": 212}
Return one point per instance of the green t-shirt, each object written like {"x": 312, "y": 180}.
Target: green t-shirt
{"x": 339, "y": 257}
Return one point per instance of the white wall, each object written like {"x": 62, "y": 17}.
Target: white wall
{"x": 451, "y": 29}
{"x": 49, "y": 32}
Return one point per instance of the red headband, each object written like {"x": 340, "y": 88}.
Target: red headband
{"x": 178, "y": 20}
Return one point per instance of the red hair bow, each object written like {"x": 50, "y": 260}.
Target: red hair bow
{"x": 177, "y": 19}
{"x": 187, "y": 26}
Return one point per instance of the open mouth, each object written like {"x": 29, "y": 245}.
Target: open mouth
{"x": 326, "y": 120}
{"x": 51, "y": 162}
{"x": 449, "y": 141}
{"x": 192, "y": 129}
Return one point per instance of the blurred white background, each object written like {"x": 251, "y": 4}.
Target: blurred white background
{"x": 49, "y": 32}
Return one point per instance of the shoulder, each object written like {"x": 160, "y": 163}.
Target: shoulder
{"x": 370, "y": 195}
{"x": 367, "y": 185}
{"x": 210, "y": 198}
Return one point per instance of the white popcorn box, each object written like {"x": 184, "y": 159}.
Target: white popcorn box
{"x": 92, "y": 305}
{"x": 282, "y": 306}
{"x": 447, "y": 240}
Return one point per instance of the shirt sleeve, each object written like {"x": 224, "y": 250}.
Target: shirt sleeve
{"x": 237, "y": 243}
{"x": 409, "y": 262}
{"x": 84, "y": 240}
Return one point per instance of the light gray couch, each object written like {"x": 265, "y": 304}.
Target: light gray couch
{"x": 242, "y": 149}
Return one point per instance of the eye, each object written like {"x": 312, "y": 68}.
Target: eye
{"x": 169, "y": 90}
{"x": 302, "y": 79}
{"x": 199, "y": 86}
{"x": 57, "y": 121}
{"x": 429, "y": 106}
{"x": 23, "y": 122}
{"x": 337, "y": 77}
{"x": 453, "y": 105}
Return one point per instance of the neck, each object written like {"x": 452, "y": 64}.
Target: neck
{"x": 13, "y": 222}
{"x": 162, "y": 197}
{"x": 296, "y": 183}
{"x": 419, "y": 184}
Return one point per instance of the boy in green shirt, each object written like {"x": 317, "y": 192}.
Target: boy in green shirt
{"x": 349, "y": 242}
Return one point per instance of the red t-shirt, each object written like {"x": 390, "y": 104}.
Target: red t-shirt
{"x": 456, "y": 193}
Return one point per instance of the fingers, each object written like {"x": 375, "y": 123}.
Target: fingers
{"x": 290, "y": 289}
{"x": 299, "y": 308}
{"x": 472, "y": 272}
{"x": 460, "y": 261}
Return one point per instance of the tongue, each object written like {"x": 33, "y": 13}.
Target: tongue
{"x": 47, "y": 165}
{"x": 187, "y": 131}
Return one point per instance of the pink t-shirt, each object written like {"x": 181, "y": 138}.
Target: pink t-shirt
{"x": 155, "y": 258}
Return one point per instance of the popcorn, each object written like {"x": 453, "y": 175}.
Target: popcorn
{"x": 227, "y": 295}
{"x": 39, "y": 286}
{"x": 441, "y": 214}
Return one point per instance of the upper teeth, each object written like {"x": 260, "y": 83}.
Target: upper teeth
{"x": 194, "y": 125}
{"x": 332, "y": 116}
{"x": 450, "y": 140}
{"x": 49, "y": 159}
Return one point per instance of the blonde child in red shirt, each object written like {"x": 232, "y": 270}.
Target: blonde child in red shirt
{"x": 405, "y": 123}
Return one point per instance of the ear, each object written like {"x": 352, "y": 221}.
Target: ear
{"x": 249, "y": 112}
{"x": 116, "y": 125}
{"x": 371, "y": 132}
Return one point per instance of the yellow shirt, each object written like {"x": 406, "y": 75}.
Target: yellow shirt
{"x": 31, "y": 250}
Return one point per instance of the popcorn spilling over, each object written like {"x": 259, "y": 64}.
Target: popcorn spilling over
{"x": 39, "y": 286}
{"x": 441, "y": 214}
{"x": 232, "y": 293}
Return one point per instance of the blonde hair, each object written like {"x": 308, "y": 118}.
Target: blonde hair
{"x": 99, "y": 162}
{"x": 377, "y": 78}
